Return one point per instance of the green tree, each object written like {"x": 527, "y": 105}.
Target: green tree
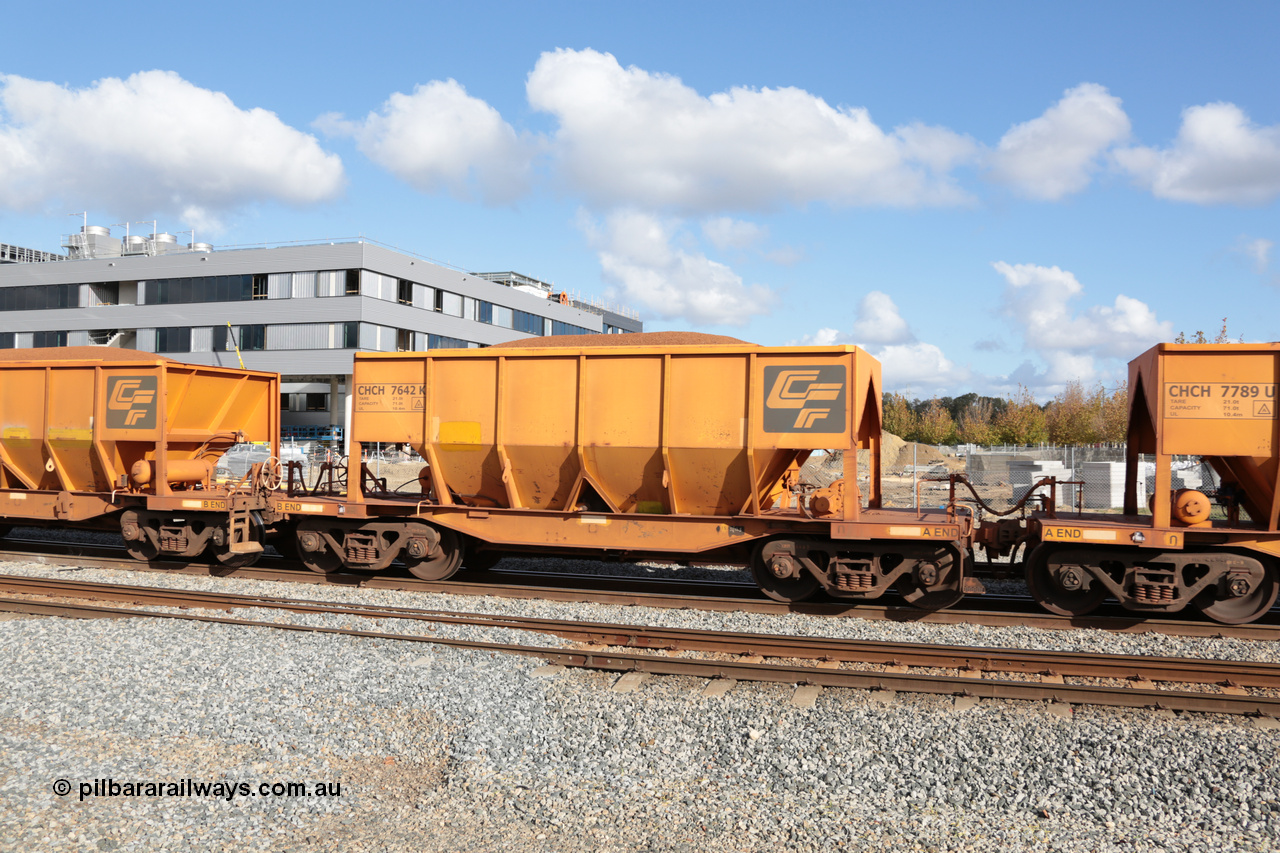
{"x": 935, "y": 425}
{"x": 976, "y": 423}
{"x": 1071, "y": 417}
{"x": 1022, "y": 421}
{"x": 1113, "y": 414}
{"x": 899, "y": 418}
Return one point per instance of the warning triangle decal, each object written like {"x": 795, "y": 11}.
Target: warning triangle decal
{"x": 1264, "y": 409}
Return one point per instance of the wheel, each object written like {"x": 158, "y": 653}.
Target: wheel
{"x": 441, "y": 562}
{"x": 231, "y": 560}
{"x": 313, "y": 548}
{"x": 325, "y": 562}
{"x": 1065, "y": 590}
{"x": 920, "y": 595}
{"x": 220, "y": 545}
{"x": 768, "y": 560}
{"x": 142, "y": 551}
{"x": 136, "y": 541}
{"x": 1245, "y": 608}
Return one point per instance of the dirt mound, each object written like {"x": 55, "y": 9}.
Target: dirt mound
{"x": 822, "y": 469}
{"x": 918, "y": 454}
{"x": 636, "y": 339}
{"x": 890, "y": 447}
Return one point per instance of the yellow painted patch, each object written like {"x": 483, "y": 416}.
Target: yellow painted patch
{"x": 71, "y": 434}
{"x": 460, "y": 435}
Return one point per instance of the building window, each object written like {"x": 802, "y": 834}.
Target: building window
{"x": 261, "y": 289}
{"x": 353, "y": 283}
{"x": 317, "y": 402}
{"x": 208, "y": 288}
{"x": 404, "y": 340}
{"x": 530, "y": 324}
{"x": 37, "y": 297}
{"x": 350, "y": 336}
{"x": 6, "y": 340}
{"x": 561, "y": 328}
{"x": 173, "y": 339}
{"x": 484, "y": 312}
{"x": 404, "y": 292}
{"x": 441, "y": 342}
{"x": 284, "y": 402}
{"x": 49, "y": 339}
{"x": 253, "y": 338}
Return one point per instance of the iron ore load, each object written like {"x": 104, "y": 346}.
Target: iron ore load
{"x": 687, "y": 452}
{"x": 103, "y": 438}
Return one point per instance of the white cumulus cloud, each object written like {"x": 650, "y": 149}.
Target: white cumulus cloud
{"x": 725, "y": 232}
{"x": 1219, "y": 157}
{"x": 1057, "y": 154}
{"x": 628, "y": 136}
{"x": 1072, "y": 342}
{"x": 639, "y": 256}
{"x": 1257, "y": 250}
{"x": 152, "y": 143}
{"x": 907, "y": 364}
{"x": 878, "y": 321}
{"x": 441, "y": 139}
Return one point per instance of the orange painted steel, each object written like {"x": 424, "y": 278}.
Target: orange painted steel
{"x": 672, "y": 431}
{"x": 1212, "y": 400}
{"x": 666, "y": 451}
{"x": 76, "y": 422}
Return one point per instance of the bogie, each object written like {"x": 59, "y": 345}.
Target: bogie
{"x": 1227, "y": 586}
{"x": 330, "y": 545}
{"x": 929, "y": 576}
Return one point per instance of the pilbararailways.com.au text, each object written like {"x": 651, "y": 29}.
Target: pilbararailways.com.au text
{"x": 227, "y": 789}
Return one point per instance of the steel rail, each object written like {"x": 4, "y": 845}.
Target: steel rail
{"x": 1269, "y": 629}
{"x": 977, "y": 659}
{"x": 746, "y": 671}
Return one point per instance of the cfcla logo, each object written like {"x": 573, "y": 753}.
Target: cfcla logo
{"x": 804, "y": 399}
{"x": 131, "y": 402}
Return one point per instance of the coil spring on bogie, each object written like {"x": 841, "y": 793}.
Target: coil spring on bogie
{"x": 172, "y": 543}
{"x": 855, "y": 581}
{"x": 361, "y": 553}
{"x": 1154, "y": 593}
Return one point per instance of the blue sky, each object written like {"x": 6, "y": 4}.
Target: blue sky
{"x": 983, "y": 194}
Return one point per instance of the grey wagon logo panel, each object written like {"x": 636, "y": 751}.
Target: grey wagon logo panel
{"x": 805, "y": 398}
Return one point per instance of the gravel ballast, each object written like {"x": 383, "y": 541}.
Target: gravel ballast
{"x": 440, "y": 749}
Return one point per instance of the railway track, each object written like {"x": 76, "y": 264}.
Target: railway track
{"x": 987, "y": 610}
{"x": 970, "y": 672}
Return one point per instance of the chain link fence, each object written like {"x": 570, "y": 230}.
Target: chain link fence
{"x": 1089, "y": 478}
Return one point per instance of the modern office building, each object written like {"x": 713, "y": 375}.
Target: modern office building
{"x": 301, "y": 310}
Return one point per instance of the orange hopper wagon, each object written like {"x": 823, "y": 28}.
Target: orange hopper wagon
{"x": 104, "y": 438}
{"x": 1217, "y": 402}
{"x": 621, "y": 446}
